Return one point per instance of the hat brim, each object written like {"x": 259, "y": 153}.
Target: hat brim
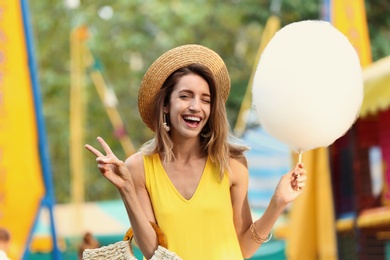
{"x": 171, "y": 61}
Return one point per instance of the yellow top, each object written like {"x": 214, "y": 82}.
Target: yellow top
{"x": 201, "y": 227}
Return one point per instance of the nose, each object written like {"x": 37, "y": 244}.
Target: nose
{"x": 195, "y": 104}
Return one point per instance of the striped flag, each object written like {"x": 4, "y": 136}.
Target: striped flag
{"x": 349, "y": 17}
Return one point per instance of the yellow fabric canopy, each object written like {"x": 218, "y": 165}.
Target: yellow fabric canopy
{"x": 376, "y": 87}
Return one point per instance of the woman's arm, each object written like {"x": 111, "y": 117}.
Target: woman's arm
{"x": 130, "y": 181}
{"x": 144, "y": 234}
{"x": 285, "y": 192}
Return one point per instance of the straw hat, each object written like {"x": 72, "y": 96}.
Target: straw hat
{"x": 171, "y": 61}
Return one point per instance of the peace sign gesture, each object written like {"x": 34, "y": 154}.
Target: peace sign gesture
{"x": 110, "y": 166}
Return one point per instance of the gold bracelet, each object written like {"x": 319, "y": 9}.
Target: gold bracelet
{"x": 257, "y": 238}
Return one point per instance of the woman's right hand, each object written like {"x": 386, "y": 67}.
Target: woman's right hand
{"x": 110, "y": 166}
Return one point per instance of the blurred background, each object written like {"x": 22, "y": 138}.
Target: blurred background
{"x": 70, "y": 71}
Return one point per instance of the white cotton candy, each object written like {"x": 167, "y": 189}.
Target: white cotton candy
{"x": 308, "y": 86}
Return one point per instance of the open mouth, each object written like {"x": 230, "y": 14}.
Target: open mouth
{"x": 193, "y": 121}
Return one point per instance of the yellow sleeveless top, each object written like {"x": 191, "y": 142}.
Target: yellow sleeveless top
{"x": 201, "y": 227}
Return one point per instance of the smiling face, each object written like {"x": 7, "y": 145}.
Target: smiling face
{"x": 189, "y": 106}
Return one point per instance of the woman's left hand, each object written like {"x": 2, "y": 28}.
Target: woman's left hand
{"x": 291, "y": 184}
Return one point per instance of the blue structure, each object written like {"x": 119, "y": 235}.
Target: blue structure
{"x": 48, "y": 200}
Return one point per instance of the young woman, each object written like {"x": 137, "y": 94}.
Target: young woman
{"x": 191, "y": 179}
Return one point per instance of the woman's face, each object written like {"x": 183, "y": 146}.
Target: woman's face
{"x": 189, "y": 106}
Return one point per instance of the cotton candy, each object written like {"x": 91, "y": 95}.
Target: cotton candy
{"x": 308, "y": 85}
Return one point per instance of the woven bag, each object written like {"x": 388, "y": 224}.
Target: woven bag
{"x": 122, "y": 250}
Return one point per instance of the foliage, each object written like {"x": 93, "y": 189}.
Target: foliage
{"x": 379, "y": 27}
{"x": 129, "y": 41}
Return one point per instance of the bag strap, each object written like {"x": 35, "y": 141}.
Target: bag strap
{"x": 162, "y": 240}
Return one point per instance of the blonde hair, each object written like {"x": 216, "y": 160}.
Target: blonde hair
{"x": 216, "y": 139}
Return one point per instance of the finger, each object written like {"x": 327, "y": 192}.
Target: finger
{"x": 297, "y": 185}
{"x": 299, "y": 189}
{"x": 296, "y": 188}
{"x": 102, "y": 168}
{"x": 302, "y": 178}
{"x": 296, "y": 174}
{"x": 293, "y": 176}
{"x": 96, "y": 152}
{"x": 109, "y": 160}
{"x": 105, "y": 146}
{"x": 300, "y": 172}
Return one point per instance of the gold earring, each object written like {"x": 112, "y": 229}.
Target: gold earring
{"x": 165, "y": 124}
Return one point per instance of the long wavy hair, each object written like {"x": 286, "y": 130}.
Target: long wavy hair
{"x": 216, "y": 139}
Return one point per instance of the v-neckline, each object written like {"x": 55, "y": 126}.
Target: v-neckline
{"x": 174, "y": 187}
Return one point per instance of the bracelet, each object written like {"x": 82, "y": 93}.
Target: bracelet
{"x": 257, "y": 238}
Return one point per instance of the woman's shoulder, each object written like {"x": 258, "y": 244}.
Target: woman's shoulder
{"x": 239, "y": 162}
{"x": 134, "y": 160}
{"x": 135, "y": 164}
{"x": 238, "y": 170}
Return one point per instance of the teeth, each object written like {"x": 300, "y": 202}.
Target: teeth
{"x": 192, "y": 118}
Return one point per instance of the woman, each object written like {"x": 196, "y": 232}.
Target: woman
{"x": 191, "y": 179}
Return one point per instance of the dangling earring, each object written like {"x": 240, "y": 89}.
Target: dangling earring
{"x": 165, "y": 124}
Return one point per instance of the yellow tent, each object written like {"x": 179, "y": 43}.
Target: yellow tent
{"x": 376, "y": 87}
